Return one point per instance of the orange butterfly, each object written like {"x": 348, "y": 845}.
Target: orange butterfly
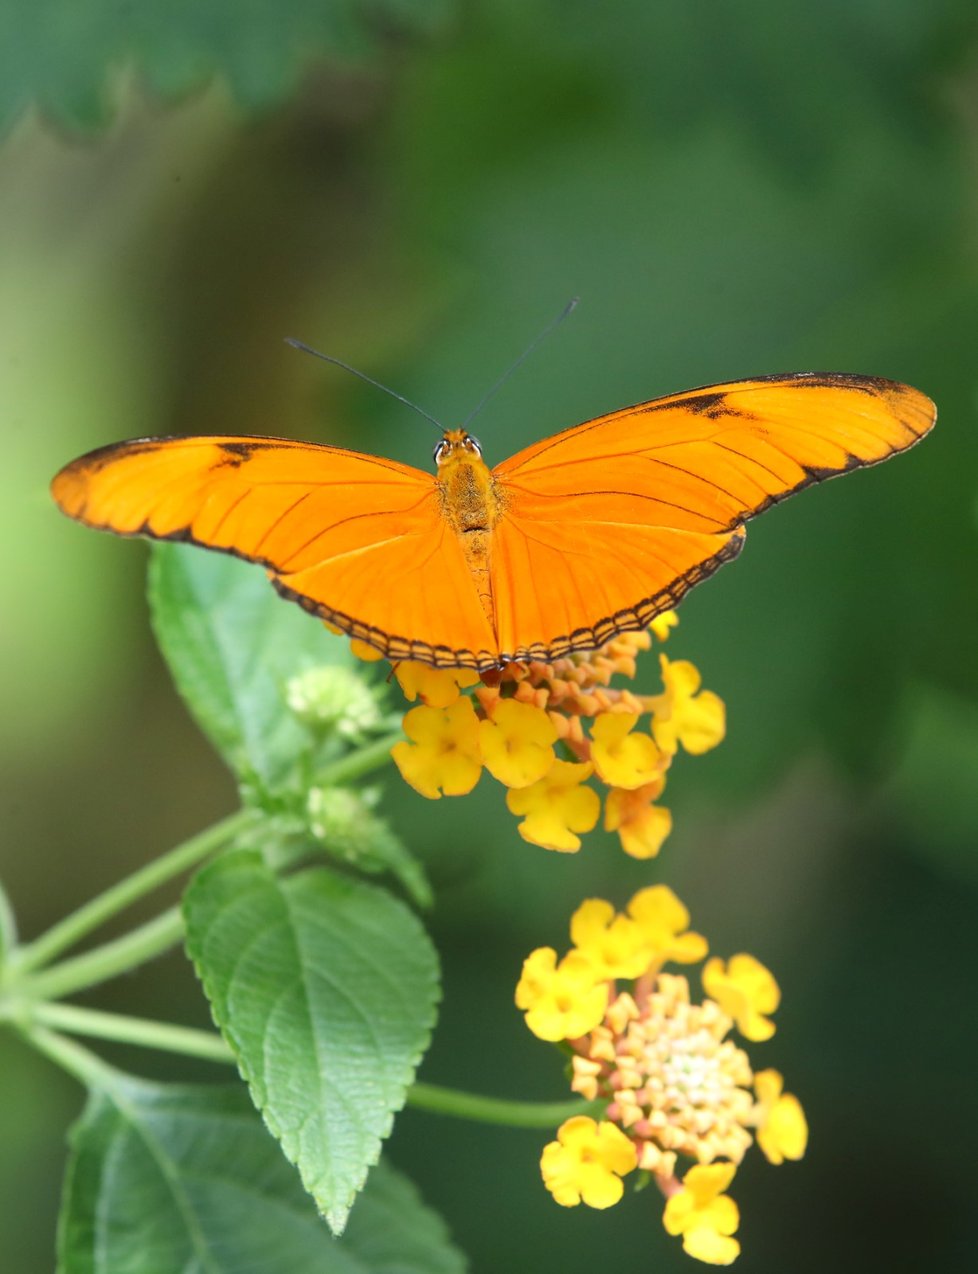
{"x": 586, "y": 534}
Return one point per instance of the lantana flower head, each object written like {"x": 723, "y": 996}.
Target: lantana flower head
{"x": 555, "y": 733}
{"x": 674, "y": 1080}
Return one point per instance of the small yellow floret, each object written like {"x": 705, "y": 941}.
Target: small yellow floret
{"x": 556, "y": 807}
{"x": 641, "y": 825}
{"x": 562, "y": 1001}
{"x": 664, "y": 623}
{"x": 360, "y": 650}
{"x": 586, "y": 1163}
{"x": 704, "y": 1215}
{"x": 782, "y": 1131}
{"x": 436, "y": 687}
{"x": 621, "y": 758}
{"x": 681, "y": 715}
{"x": 746, "y": 990}
{"x": 443, "y": 755}
{"x": 614, "y": 944}
{"x": 517, "y": 743}
{"x": 664, "y": 920}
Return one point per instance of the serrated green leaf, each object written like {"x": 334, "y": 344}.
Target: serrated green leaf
{"x": 61, "y": 57}
{"x": 232, "y": 644}
{"x": 326, "y": 989}
{"x": 185, "y": 1178}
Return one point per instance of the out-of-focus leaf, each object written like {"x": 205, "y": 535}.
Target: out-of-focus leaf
{"x": 232, "y": 644}
{"x": 326, "y": 990}
{"x": 932, "y": 793}
{"x": 8, "y": 926}
{"x": 186, "y": 1178}
{"x": 61, "y": 57}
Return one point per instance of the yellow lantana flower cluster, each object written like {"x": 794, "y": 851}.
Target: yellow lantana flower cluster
{"x": 676, "y": 1087}
{"x": 526, "y": 725}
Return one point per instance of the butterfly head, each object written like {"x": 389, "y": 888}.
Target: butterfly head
{"x": 456, "y": 445}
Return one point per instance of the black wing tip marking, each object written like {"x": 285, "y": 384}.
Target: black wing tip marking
{"x": 711, "y": 400}
{"x": 231, "y": 444}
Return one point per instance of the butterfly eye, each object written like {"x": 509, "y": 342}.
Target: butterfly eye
{"x": 473, "y": 444}
{"x": 441, "y": 449}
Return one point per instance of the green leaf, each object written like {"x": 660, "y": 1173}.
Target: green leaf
{"x": 326, "y": 989}
{"x": 186, "y": 1178}
{"x": 232, "y": 644}
{"x": 8, "y": 923}
{"x": 343, "y": 820}
{"x": 60, "y": 56}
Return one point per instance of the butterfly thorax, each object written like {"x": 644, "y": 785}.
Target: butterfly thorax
{"x": 469, "y": 503}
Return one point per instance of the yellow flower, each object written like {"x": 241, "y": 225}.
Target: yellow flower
{"x": 641, "y": 825}
{"x": 704, "y": 1215}
{"x": 556, "y": 807}
{"x": 623, "y": 759}
{"x": 662, "y": 624}
{"x": 517, "y": 743}
{"x": 669, "y": 1073}
{"x": 697, "y": 721}
{"x": 443, "y": 755}
{"x": 562, "y": 1001}
{"x": 587, "y": 1162}
{"x": 782, "y": 1131}
{"x": 664, "y": 922}
{"x": 436, "y": 687}
{"x": 614, "y": 944}
{"x": 360, "y": 649}
{"x": 746, "y": 990}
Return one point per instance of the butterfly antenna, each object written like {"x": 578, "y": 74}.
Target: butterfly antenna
{"x": 328, "y": 358}
{"x": 567, "y": 310}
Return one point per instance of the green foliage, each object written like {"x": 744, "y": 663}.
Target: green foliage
{"x": 181, "y": 1177}
{"x": 930, "y": 795}
{"x": 231, "y": 646}
{"x": 8, "y": 926}
{"x": 62, "y": 57}
{"x": 326, "y": 990}
{"x": 732, "y": 190}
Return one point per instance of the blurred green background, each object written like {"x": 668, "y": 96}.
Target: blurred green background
{"x": 418, "y": 188}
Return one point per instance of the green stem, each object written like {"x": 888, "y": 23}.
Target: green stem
{"x": 356, "y": 764}
{"x": 88, "y": 1069}
{"x": 104, "y": 962}
{"x": 203, "y": 1044}
{"x": 132, "y": 1030}
{"x": 81, "y": 922}
{"x": 497, "y": 1110}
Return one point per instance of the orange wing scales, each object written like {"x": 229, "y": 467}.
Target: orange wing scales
{"x": 598, "y": 529}
{"x": 346, "y": 535}
{"x": 681, "y": 568}
{"x": 651, "y": 500}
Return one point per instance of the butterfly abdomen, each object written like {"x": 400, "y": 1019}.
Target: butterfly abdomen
{"x": 470, "y": 504}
